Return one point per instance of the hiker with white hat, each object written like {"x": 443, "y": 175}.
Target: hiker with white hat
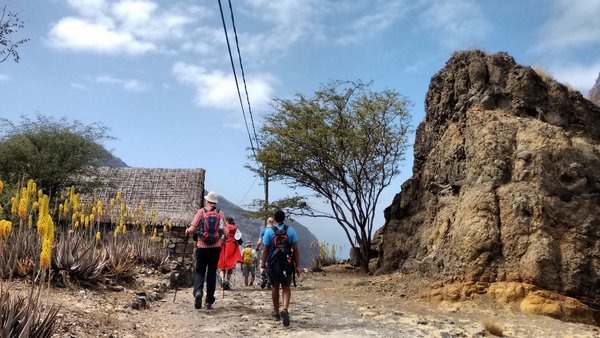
{"x": 207, "y": 230}
{"x": 249, "y": 263}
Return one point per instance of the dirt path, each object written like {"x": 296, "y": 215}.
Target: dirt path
{"x": 335, "y": 303}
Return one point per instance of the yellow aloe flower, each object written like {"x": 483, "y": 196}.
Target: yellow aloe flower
{"x": 5, "y": 229}
{"x": 154, "y": 235}
{"x": 124, "y": 228}
{"x": 70, "y": 232}
{"x": 118, "y": 196}
{"x": 40, "y": 193}
{"x": 97, "y": 235}
{"x": 123, "y": 207}
{"x": 164, "y": 229}
{"x": 76, "y": 224}
{"x": 14, "y": 206}
{"x": 23, "y": 203}
{"x": 144, "y": 229}
{"x": 87, "y": 221}
{"x": 92, "y": 218}
{"x": 35, "y": 205}
{"x": 112, "y": 201}
{"x": 1, "y": 186}
{"x": 30, "y": 221}
{"x": 45, "y": 254}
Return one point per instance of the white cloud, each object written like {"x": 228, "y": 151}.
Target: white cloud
{"x": 77, "y": 34}
{"x": 571, "y": 24}
{"x": 383, "y": 15}
{"x": 215, "y": 89}
{"x": 287, "y": 22}
{"x": 78, "y": 86}
{"x": 455, "y": 23}
{"x": 580, "y": 77}
{"x": 123, "y": 26}
{"x": 131, "y": 85}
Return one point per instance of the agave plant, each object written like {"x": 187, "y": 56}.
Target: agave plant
{"x": 90, "y": 263}
{"x": 121, "y": 260}
{"x": 17, "y": 254}
{"x": 149, "y": 252}
{"x": 24, "y": 317}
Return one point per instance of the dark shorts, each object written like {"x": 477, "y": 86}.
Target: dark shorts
{"x": 277, "y": 280}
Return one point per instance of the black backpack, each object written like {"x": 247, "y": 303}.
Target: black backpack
{"x": 281, "y": 260}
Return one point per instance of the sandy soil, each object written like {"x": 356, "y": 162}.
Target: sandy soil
{"x": 338, "y": 302}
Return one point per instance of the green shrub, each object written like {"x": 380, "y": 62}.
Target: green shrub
{"x": 324, "y": 255}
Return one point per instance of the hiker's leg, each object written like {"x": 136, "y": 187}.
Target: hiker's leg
{"x": 287, "y": 294}
{"x": 275, "y": 297}
{"x": 201, "y": 261}
{"x": 253, "y": 275}
{"x": 211, "y": 278}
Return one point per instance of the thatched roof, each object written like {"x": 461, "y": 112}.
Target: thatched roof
{"x": 176, "y": 194}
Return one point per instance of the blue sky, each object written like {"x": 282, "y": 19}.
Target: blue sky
{"x": 157, "y": 73}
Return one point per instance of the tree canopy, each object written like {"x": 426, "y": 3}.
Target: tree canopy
{"x": 56, "y": 154}
{"x": 10, "y": 24}
{"x": 344, "y": 143}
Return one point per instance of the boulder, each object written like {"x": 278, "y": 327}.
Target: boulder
{"x": 505, "y": 184}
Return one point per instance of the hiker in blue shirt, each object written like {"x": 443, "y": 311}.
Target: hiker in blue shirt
{"x": 280, "y": 257}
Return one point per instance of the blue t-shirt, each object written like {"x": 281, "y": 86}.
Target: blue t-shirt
{"x": 267, "y": 237}
{"x": 262, "y": 233}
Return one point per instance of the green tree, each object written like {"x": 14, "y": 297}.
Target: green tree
{"x": 10, "y": 24}
{"x": 344, "y": 143}
{"x": 56, "y": 154}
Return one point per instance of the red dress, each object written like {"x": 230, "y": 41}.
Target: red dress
{"x": 230, "y": 251}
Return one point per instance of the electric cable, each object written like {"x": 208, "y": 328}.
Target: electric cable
{"x": 236, "y": 80}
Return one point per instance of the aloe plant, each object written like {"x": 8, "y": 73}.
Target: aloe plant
{"x": 24, "y": 317}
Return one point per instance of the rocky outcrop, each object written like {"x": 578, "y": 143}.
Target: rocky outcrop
{"x": 505, "y": 185}
{"x": 594, "y": 94}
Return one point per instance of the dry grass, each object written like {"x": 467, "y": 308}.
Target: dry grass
{"x": 493, "y": 328}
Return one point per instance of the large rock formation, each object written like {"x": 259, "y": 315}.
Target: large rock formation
{"x": 595, "y": 92}
{"x": 505, "y": 185}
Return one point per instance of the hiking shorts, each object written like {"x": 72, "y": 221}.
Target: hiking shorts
{"x": 248, "y": 269}
{"x": 283, "y": 281}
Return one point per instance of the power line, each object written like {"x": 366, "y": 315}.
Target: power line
{"x": 236, "y": 80}
{"x": 237, "y": 45}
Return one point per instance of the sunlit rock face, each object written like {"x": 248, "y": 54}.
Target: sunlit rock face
{"x": 506, "y": 182}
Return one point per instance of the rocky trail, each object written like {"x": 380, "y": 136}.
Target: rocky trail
{"x": 338, "y": 302}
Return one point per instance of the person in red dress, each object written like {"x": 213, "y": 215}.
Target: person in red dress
{"x": 230, "y": 253}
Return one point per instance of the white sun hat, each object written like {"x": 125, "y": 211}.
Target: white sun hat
{"x": 212, "y": 197}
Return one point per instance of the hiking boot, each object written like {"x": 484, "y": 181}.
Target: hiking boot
{"x": 275, "y": 316}
{"x": 208, "y": 306}
{"x": 226, "y": 285}
{"x": 198, "y": 301}
{"x": 286, "y": 317}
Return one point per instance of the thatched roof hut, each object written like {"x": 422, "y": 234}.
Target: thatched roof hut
{"x": 175, "y": 194}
